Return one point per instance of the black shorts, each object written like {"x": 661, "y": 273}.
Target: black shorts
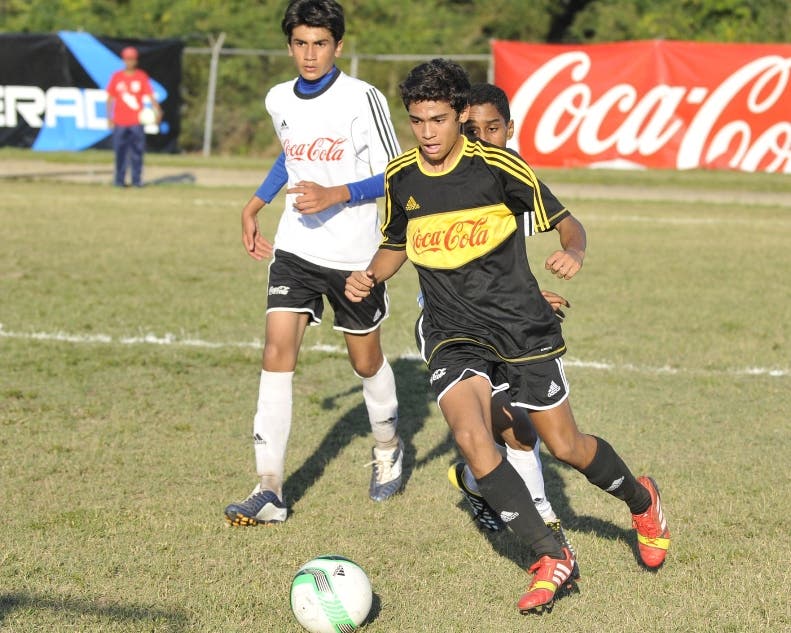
{"x": 538, "y": 386}
{"x": 456, "y": 362}
{"x": 533, "y": 386}
{"x": 297, "y": 285}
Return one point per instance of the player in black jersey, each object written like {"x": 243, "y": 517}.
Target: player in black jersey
{"x": 456, "y": 209}
{"x": 489, "y": 119}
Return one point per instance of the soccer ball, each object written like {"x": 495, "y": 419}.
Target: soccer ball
{"x": 147, "y": 116}
{"x": 331, "y": 594}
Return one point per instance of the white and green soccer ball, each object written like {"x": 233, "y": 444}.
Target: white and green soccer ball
{"x": 331, "y": 594}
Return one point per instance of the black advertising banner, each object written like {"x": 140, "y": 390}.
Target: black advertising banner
{"x": 52, "y": 89}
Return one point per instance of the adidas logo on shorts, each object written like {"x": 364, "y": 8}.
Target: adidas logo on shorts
{"x": 553, "y": 389}
{"x": 439, "y": 373}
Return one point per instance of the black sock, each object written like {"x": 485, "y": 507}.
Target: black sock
{"x": 509, "y": 497}
{"x": 608, "y": 472}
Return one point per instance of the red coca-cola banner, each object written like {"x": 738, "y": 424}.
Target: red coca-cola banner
{"x": 681, "y": 105}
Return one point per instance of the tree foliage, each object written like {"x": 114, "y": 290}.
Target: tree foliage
{"x": 438, "y": 27}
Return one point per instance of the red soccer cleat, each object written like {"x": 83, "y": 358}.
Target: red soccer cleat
{"x": 653, "y": 535}
{"x": 550, "y": 573}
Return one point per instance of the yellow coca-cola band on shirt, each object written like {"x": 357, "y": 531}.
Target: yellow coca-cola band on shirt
{"x": 452, "y": 239}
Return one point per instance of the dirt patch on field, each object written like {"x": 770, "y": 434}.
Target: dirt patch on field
{"x": 102, "y": 173}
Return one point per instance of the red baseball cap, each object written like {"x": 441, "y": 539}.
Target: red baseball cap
{"x": 130, "y": 52}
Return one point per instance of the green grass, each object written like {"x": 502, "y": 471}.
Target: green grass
{"x": 118, "y": 455}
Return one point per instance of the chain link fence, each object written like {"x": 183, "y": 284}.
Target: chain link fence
{"x": 224, "y": 91}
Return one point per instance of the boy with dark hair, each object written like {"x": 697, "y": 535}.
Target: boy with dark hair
{"x": 490, "y": 120}
{"x": 490, "y": 115}
{"x": 455, "y": 207}
{"x": 337, "y": 138}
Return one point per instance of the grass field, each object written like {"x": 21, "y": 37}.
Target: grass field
{"x": 129, "y": 352}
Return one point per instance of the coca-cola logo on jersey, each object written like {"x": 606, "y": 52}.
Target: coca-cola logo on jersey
{"x": 460, "y": 234}
{"x": 667, "y": 104}
{"x": 322, "y": 149}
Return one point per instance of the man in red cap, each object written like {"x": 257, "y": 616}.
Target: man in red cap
{"x": 129, "y": 100}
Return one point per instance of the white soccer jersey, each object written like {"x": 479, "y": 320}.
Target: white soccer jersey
{"x": 339, "y": 135}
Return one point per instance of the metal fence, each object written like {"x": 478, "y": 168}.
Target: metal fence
{"x": 216, "y": 50}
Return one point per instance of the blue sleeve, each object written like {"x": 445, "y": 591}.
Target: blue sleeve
{"x": 274, "y": 181}
{"x": 368, "y": 189}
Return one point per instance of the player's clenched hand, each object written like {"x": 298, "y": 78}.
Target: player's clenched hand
{"x": 358, "y": 285}
{"x": 314, "y": 198}
{"x": 256, "y": 245}
{"x": 564, "y": 264}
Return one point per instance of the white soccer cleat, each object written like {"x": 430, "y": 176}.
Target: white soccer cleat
{"x": 386, "y": 475}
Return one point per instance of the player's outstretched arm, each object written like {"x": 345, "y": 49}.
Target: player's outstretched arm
{"x": 256, "y": 245}
{"x": 384, "y": 265}
{"x": 567, "y": 262}
{"x": 314, "y": 198}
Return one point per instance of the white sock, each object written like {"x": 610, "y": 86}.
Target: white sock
{"x": 271, "y": 428}
{"x": 379, "y": 393}
{"x": 528, "y": 465}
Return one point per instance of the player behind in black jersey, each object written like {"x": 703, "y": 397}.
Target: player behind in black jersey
{"x": 456, "y": 209}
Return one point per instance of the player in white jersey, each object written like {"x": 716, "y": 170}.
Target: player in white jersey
{"x": 337, "y": 138}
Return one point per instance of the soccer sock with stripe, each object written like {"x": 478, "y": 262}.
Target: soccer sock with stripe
{"x": 608, "y": 471}
{"x": 271, "y": 428}
{"x": 508, "y": 496}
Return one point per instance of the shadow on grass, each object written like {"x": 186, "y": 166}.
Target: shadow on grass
{"x": 411, "y": 387}
{"x": 151, "y": 618}
{"x": 174, "y": 179}
{"x": 376, "y": 608}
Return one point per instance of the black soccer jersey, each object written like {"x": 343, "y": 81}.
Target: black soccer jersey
{"x": 463, "y": 229}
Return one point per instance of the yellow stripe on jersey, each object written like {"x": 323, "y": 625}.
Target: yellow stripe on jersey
{"x": 513, "y": 165}
{"x": 399, "y": 162}
{"x": 452, "y": 239}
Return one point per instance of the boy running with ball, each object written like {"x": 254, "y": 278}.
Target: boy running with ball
{"x": 456, "y": 208}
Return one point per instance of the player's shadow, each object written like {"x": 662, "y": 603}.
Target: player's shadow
{"x": 185, "y": 178}
{"x": 412, "y": 390}
{"x": 125, "y": 615}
